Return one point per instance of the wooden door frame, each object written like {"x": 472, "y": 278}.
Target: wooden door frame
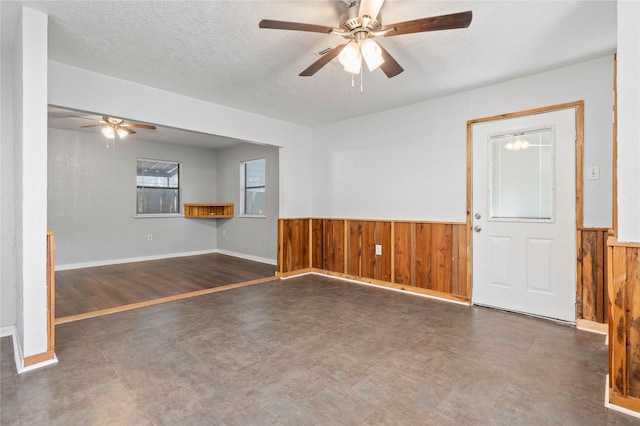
{"x": 578, "y": 106}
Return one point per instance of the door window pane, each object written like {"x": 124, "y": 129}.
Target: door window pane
{"x": 521, "y": 173}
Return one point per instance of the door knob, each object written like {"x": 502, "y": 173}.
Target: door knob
{"x": 477, "y": 216}
{"x": 477, "y": 228}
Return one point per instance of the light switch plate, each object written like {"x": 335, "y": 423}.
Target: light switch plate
{"x": 378, "y": 249}
{"x": 593, "y": 173}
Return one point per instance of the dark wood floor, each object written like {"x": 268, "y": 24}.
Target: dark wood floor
{"x": 80, "y": 291}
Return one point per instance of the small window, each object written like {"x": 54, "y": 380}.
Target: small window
{"x": 522, "y": 175}
{"x": 252, "y": 187}
{"x": 158, "y": 187}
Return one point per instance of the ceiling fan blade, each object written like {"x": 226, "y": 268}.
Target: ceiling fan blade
{"x": 126, "y": 129}
{"x": 390, "y": 66}
{"x": 95, "y": 125}
{"x": 433, "y": 23}
{"x": 370, "y": 8}
{"x": 138, "y": 125}
{"x": 324, "y": 60}
{"x": 79, "y": 116}
{"x": 295, "y": 26}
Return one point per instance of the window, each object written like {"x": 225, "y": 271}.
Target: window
{"x": 252, "y": 187}
{"x": 158, "y": 187}
{"x": 522, "y": 174}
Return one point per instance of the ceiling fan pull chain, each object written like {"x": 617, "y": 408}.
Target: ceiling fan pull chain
{"x": 361, "y": 76}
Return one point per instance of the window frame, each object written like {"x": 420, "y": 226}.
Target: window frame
{"x": 179, "y": 212}
{"x": 244, "y": 187}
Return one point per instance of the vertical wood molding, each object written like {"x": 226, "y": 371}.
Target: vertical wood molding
{"x": 51, "y": 293}
{"x": 579, "y": 110}
{"x": 310, "y": 232}
{"x": 279, "y": 257}
{"x": 317, "y": 236}
{"x": 469, "y": 242}
{"x": 624, "y": 305}
{"x": 414, "y": 255}
{"x": 392, "y": 249}
{"x": 345, "y": 247}
{"x": 614, "y": 189}
{"x": 579, "y": 274}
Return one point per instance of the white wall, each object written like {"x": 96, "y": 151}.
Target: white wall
{"x": 28, "y": 188}
{"x": 628, "y": 121}
{"x": 18, "y": 113}
{"x": 248, "y": 236}
{"x": 88, "y": 91}
{"x": 92, "y": 200}
{"x": 8, "y": 273}
{"x": 410, "y": 163}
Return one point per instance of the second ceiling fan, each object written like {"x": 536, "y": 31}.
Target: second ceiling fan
{"x": 117, "y": 126}
{"x": 360, "y": 23}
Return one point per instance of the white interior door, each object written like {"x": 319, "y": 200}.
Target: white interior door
{"x": 523, "y": 214}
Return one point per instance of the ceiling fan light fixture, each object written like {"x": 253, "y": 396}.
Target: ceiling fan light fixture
{"x": 372, "y": 53}
{"x": 108, "y": 132}
{"x": 121, "y": 132}
{"x": 351, "y": 58}
{"x": 517, "y": 145}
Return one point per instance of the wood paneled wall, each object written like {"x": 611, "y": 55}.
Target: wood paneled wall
{"x": 424, "y": 257}
{"x": 624, "y": 323}
{"x": 591, "y": 292}
{"x": 293, "y": 245}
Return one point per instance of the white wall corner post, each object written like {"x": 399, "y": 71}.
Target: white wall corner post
{"x": 628, "y": 86}
{"x": 31, "y": 193}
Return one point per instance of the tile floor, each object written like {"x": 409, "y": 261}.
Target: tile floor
{"x": 313, "y": 351}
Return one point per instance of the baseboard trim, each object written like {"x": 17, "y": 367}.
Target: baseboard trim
{"x": 69, "y": 266}
{"x": 8, "y": 331}
{"x": 615, "y": 407}
{"x": 592, "y": 326}
{"x": 374, "y": 283}
{"x": 108, "y": 262}
{"x": 397, "y": 288}
{"x": 247, "y": 256}
{"x": 32, "y": 362}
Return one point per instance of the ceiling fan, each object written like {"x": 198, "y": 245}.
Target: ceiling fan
{"x": 117, "y": 126}
{"x": 360, "y": 23}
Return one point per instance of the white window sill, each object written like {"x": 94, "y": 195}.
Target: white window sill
{"x": 155, "y": 216}
{"x": 258, "y": 216}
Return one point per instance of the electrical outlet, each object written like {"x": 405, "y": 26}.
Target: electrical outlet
{"x": 378, "y": 249}
{"x": 149, "y": 237}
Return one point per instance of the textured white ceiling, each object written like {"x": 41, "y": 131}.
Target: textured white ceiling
{"x": 214, "y": 50}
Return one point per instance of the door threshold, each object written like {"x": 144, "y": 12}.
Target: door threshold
{"x": 526, "y": 314}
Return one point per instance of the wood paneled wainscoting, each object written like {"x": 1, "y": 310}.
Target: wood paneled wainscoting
{"x": 591, "y": 288}
{"x": 624, "y": 323}
{"x": 423, "y": 257}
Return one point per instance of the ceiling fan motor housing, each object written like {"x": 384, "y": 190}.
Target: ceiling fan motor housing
{"x": 349, "y": 20}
